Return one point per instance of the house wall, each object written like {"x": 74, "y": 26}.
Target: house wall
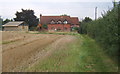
{"x": 16, "y": 28}
{"x": 75, "y": 25}
{"x": 59, "y": 27}
{"x": 11, "y": 28}
{"x": 23, "y": 28}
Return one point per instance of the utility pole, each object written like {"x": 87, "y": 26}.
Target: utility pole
{"x": 95, "y": 13}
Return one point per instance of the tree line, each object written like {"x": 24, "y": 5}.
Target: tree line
{"x": 105, "y": 30}
{"x": 27, "y": 16}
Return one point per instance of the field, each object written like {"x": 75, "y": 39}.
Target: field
{"x": 0, "y": 52}
{"x": 31, "y": 52}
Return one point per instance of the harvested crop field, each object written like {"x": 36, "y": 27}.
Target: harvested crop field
{"x": 56, "y": 52}
{"x": 20, "y": 50}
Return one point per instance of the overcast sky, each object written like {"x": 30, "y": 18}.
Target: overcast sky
{"x": 78, "y": 8}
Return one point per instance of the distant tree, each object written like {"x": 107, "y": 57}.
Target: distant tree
{"x": 27, "y": 16}
{"x": 114, "y": 3}
{"x": 87, "y": 19}
{"x": 1, "y": 23}
{"x": 6, "y": 21}
{"x": 1, "y": 20}
{"x": 83, "y": 25}
{"x": 64, "y": 15}
{"x": 45, "y": 26}
{"x": 106, "y": 31}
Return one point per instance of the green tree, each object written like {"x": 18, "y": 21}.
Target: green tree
{"x": 87, "y": 19}
{"x": 83, "y": 25}
{"x": 1, "y": 20}
{"x": 64, "y": 15}
{"x": 105, "y": 31}
{"x": 1, "y": 23}
{"x": 45, "y": 26}
{"x": 6, "y": 21}
{"x": 27, "y": 16}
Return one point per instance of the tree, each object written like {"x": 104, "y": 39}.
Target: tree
{"x": 6, "y": 21}
{"x": 83, "y": 26}
{"x": 45, "y": 26}
{"x": 27, "y": 16}
{"x": 1, "y": 20}
{"x": 1, "y": 23}
{"x": 105, "y": 31}
{"x": 64, "y": 15}
{"x": 87, "y": 19}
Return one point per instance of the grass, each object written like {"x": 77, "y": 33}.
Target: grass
{"x": 83, "y": 55}
{"x": 56, "y": 33}
{"x": 7, "y": 42}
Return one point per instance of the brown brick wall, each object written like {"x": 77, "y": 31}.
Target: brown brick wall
{"x": 59, "y": 27}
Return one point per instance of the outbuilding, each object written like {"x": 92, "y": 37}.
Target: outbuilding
{"x": 16, "y": 26}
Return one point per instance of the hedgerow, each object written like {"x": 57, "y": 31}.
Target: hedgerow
{"x": 105, "y": 30}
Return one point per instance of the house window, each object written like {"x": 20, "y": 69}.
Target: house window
{"x": 65, "y": 22}
{"x": 59, "y": 22}
{"x": 52, "y": 22}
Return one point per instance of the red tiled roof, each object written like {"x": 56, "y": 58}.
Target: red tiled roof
{"x": 74, "y": 20}
{"x": 48, "y": 19}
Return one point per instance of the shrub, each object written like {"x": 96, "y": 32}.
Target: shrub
{"x": 105, "y": 31}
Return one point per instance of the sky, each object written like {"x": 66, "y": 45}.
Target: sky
{"x": 74, "y": 8}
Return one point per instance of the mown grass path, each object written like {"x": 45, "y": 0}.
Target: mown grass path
{"x": 81, "y": 55}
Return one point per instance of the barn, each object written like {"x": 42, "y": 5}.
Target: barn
{"x": 16, "y": 26}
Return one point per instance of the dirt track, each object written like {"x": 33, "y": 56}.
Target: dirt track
{"x": 21, "y": 50}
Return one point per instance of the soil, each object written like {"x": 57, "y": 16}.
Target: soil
{"x": 22, "y": 50}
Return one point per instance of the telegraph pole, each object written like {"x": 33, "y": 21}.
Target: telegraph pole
{"x": 95, "y": 13}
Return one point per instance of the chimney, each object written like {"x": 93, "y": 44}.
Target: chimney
{"x": 40, "y": 19}
{"x": 40, "y": 15}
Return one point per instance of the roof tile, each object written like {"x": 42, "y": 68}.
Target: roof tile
{"x": 48, "y": 19}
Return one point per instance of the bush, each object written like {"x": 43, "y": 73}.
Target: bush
{"x": 33, "y": 28}
{"x": 45, "y": 26}
{"x": 105, "y": 31}
{"x": 75, "y": 28}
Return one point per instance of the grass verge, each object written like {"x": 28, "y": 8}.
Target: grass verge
{"x": 83, "y": 55}
{"x": 56, "y": 33}
{"x": 7, "y": 42}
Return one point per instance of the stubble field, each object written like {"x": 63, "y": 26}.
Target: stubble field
{"x": 21, "y": 50}
{"x": 57, "y": 52}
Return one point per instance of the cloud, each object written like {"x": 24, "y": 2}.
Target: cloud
{"x": 18, "y": 1}
{"x": 80, "y": 9}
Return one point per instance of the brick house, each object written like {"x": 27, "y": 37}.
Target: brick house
{"x": 59, "y": 23}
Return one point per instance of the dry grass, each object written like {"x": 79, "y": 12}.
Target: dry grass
{"x": 27, "y": 49}
{"x": 53, "y": 52}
